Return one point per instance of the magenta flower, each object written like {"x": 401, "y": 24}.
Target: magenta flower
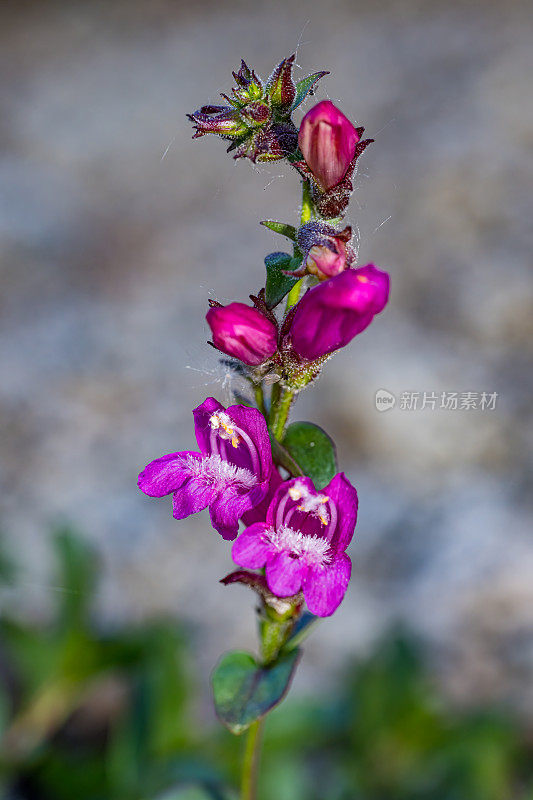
{"x": 303, "y": 541}
{"x": 230, "y": 474}
{"x": 328, "y": 143}
{"x": 332, "y": 313}
{"x": 243, "y": 332}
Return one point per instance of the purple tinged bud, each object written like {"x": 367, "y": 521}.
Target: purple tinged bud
{"x": 328, "y": 143}
{"x": 326, "y": 251}
{"x": 221, "y": 120}
{"x": 243, "y": 332}
{"x": 257, "y": 113}
{"x": 280, "y": 85}
{"x": 245, "y": 77}
{"x": 326, "y": 263}
{"x": 332, "y": 313}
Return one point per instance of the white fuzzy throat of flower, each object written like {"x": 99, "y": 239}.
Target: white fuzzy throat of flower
{"x": 216, "y": 471}
{"x": 312, "y": 550}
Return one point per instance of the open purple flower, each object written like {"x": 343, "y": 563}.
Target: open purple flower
{"x": 303, "y": 541}
{"x": 230, "y": 474}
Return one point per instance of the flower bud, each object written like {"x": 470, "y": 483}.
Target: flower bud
{"x": 332, "y": 313}
{"x": 257, "y": 118}
{"x": 221, "y": 120}
{"x": 281, "y": 87}
{"x": 243, "y": 332}
{"x": 328, "y": 141}
{"x": 326, "y": 252}
{"x": 326, "y": 263}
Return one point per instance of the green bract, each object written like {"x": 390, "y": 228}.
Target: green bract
{"x": 277, "y": 283}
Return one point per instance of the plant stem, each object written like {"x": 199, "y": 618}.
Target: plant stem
{"x": 250, "y": 764}
{"x": 280, "y": 413}
{"x": 306, "y": 214}
{"x": 308, "y": 209}
{"x": 294, "y": 295}
{"x": 260, "y": 398}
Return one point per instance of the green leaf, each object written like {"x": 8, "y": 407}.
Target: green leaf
{"x": 281, "y": 227}
{"x": 278, "y": 284}
{"x": 313, "y": 450}
{"x": 304, "y": 86}
{"x": 244, "y": 691}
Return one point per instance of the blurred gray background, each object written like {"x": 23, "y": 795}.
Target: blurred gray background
{"x": 115, "y": 228}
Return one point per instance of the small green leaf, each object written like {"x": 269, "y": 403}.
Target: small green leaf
{"x": 313, "y": 450}
{"x": 277, "y": 283}
{"x": 281, "y": 227}
{"x": 244, "y": 691}
{"x": 304, "y": 86}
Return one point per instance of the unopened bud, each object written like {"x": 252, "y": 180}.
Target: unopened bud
{"x": 243, "y": 332}
{"x": 327, "y": 140}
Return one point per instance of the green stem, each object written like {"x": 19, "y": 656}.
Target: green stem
{"x": 260, "y": 398}
{"x": 294, "y": 295}
{"x": 307, "y": 213}
{"x": 279, "y": 413}
{"x": 250, "y": 764}
{"x": 308, "y": 208}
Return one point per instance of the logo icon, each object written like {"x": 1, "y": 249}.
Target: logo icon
{"x": 384, "y": 400}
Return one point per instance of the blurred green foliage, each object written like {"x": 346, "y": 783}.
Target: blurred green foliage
{"x": 87, "y": 714}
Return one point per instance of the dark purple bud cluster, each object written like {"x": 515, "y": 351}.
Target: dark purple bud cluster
{"x": 257, "y": 118}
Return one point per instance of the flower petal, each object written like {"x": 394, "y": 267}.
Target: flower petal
{"x": 252, "y": 422}
{"x": 166, "y": 474}
{"x": 226, "y": 510}
{"x": 193, "y": 496}
{"x": 344, "y": 496}
{"x": 282, "y": 503}
{"x": 258, "y": 511}
{"x": 284, "y": 574}
{"x": 202, "y": 414}
{"x": 252, "y": 548}
{"x": 325, "y": 586}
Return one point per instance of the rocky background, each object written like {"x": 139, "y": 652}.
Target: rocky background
{"x": 115, "y": 227}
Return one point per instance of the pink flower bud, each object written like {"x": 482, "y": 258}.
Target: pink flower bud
{"x": 326, "y": 263}
{"x": 243, "y": 332}
{"x": 332, "y": 313}
{"x": 326, "y": 251}
{"x": 327, "y": 140}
